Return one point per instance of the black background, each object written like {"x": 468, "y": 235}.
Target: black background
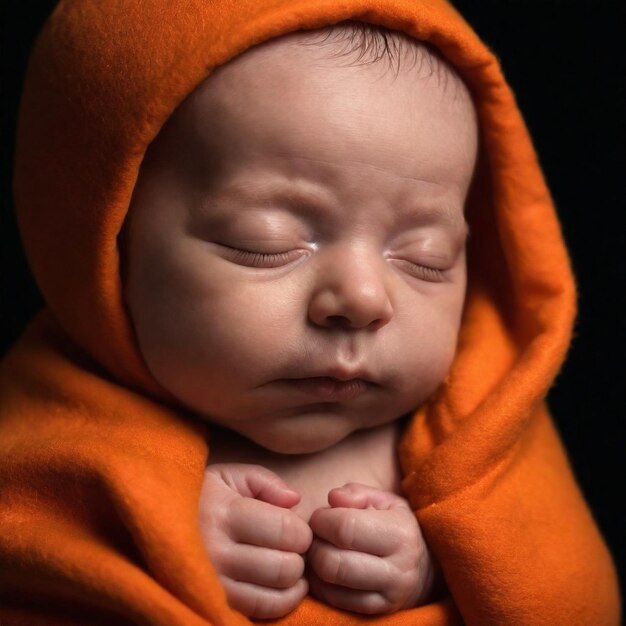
{"x": 566, "y": 63}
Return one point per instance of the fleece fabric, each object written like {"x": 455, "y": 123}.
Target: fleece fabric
{"x": 100, "y": 471}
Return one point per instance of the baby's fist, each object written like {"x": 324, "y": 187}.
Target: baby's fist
{"x": 368, "y": 554}
{"x": 255, "y": 542}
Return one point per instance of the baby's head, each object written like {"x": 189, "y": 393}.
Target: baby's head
{"x": 295, "y": 249}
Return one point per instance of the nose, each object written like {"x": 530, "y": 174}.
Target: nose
{"x": 351, "y": 292}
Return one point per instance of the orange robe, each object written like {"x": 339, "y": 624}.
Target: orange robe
{"x": 100, "y": 471}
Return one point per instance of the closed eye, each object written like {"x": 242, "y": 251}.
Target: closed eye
{"x": 253, "y": 258}
{"x": 423, "y": 272}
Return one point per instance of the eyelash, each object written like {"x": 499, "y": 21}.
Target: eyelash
{"x": 277, "y": 259}
{"x": 424, "y": 272}
{"x": 260, "y": 259}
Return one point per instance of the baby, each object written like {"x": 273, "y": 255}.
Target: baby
{"x": 292, "y": 285}
{"x": 294, "y": 267}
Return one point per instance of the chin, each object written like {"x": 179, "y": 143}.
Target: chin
{"x": 298, "y": 443}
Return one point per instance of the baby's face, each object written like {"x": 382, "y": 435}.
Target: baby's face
{"x": 295, "y": 251}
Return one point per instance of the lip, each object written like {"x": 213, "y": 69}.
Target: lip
{"x": 329, "y": 388}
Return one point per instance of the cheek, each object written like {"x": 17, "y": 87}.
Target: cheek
{"x": 210, "y": 323}
{"x": 239, "y": 322}
{"x": 429, "y": 332}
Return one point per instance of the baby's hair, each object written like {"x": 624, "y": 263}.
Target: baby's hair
{"x": 368, "y": 44}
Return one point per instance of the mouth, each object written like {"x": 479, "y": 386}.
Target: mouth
{"x": 328, "y": 388}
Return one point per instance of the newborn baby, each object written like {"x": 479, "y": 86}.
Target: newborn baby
{"x": 294, "y": 266}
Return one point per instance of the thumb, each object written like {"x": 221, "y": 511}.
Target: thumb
{"x": 359, "y": 496}
{"x": 256, "y": 481}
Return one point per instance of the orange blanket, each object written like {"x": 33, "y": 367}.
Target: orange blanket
{"x": 100, "y": 473}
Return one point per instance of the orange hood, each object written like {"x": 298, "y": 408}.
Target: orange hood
{"x": 102, "y": 474}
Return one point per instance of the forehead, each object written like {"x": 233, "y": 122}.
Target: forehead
{"x": 285, "y": 99}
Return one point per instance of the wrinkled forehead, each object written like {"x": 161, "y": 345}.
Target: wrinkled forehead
{"x": 306, "y": 94}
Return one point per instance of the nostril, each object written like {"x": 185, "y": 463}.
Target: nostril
{"x": 340, "y": 321}
{"x": 376, "y": 324}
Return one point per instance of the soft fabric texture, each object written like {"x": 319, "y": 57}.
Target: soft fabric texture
{"x": 100, "y": 471}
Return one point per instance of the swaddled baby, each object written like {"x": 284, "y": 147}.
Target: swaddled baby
{"x": 294, "y": 267}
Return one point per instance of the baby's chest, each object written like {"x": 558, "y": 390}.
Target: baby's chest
{"x": 367, "y": 457}
{"x": 315, "y": 479}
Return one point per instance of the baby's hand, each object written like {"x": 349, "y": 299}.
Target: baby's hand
{"x": 368, "y": 554}
{"x": 254, "y": 540}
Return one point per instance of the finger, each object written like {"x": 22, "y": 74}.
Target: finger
{"x": 381, "y": 533}
{"x": 360, "y": 496}
{"x": 256, "y": 481}
{"x": 367, "y": 602}
{"x": 261, "y": 566}
{"x": 261, "y": 524}
{"x": 263, "y": 602}
{"x": 348, "y": 568}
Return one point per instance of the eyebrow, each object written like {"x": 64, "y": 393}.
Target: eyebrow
{"x": 294, "y": 194}
{"x": 301, "y": 195}
{"x": 438, "y": 213}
